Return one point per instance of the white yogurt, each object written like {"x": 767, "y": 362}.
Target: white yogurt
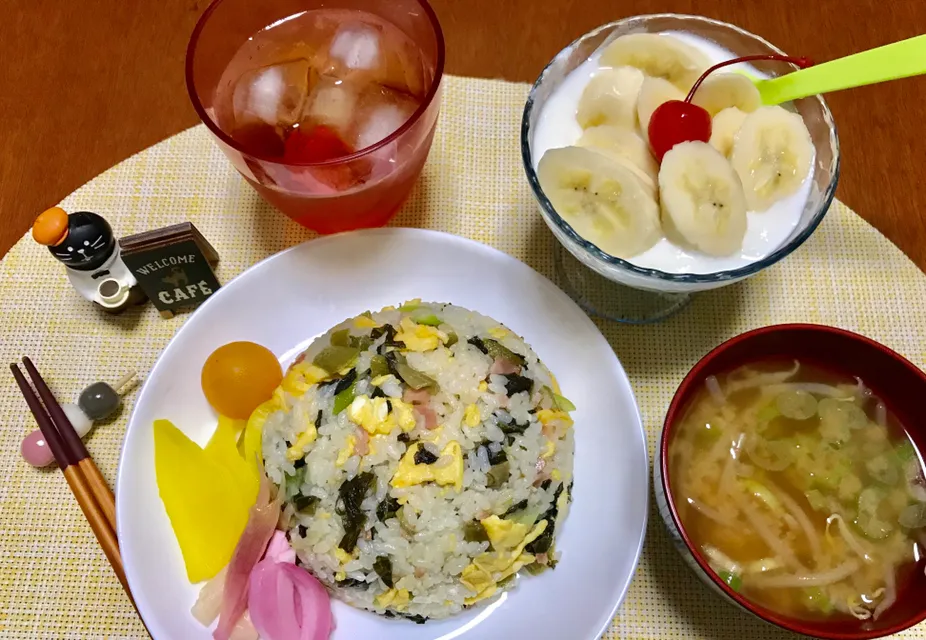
{"x": 765, "y": 231}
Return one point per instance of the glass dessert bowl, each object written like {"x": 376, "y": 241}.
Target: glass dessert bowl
{"x": 650, "y": 280}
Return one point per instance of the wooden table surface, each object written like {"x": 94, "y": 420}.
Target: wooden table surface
{"x": 87, "y": 83}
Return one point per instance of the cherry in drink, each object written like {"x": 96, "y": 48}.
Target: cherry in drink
{"x": 328, "y": 112}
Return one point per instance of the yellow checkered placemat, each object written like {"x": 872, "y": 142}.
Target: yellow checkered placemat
{"x": 55, "y": 581}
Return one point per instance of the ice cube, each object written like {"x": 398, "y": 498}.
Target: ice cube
{"x": 383, "y": 111}
{"x": 401, "y": 67}
{"x": 356, "y": 46}
{"x": 332, "y": 103}
{"x": 275, "y": 94}
{"x": 374, "y": 52}
{"x": 380, "y": 123}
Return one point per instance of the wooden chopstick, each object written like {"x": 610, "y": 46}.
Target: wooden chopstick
{"x": 73, "y": 443}
{"x": 87, "y": 492}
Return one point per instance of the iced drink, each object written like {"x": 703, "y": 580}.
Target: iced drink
{"x": 329, "y": 113}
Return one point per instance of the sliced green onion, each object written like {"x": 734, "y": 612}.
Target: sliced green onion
{"x": 341, "y": 338}
{"x": 343, "y": 399}
{"x": 335, "y": 358}
{"x": 817, "y": 600}
{"x": 497, "y": 350}
{"x": 906, "y": 451}
{"x": 562, "y": 403}
{"x": 430, "y": 319}
{"x": 733, "y": 580}
{"x": 762, "y": 493}
{"x": 797, "y": 405}
{"x": 378, "y": 366}
{"x": 767, "y": 413}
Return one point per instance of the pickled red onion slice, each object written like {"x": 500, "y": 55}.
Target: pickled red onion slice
{"x": 287, "y": 603}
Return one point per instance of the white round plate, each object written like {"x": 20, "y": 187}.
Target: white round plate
{"x": 290, "y": 298}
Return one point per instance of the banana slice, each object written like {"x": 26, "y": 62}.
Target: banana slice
{"x": 653, "y": 93}
{"x": 772, "y": 153}
{"x": 703, "y": 203}
{"x": 602, "y": 200}
{"x": 722, "y": 90}
{"x": 627, "y": 147}
{"x": 611, "y": 98}
{"x": 724, "y": 127}
{"x": 659, "y": 56}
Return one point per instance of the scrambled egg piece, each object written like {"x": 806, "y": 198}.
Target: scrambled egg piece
{"x": 312, "y": 373}
{"x": 549, "y": 450}
{"x": 363, "y": 322}
{"x": 471, "y": 417}
{"x": 374, "y": 416}
{"x": 476, "y": 579}
{"x": 504, "y": 534}
{"x": 556, "y": 475}
{"x": 546, "y": 416}
{"x": 347, "y": 451}
{"x": 379, "y": 381}
{"x": 483, "y": 386}
{"x": 420, "y": 337}
{"x": 340, "y": 575}
{"x": 488, "y": 592}
{"x": 342, "y": 556}
{"x": 279, "y": 399}
{"x": 302, "y": 374}
{"x": 409, "y": 473}
{"x": 523, "y": 560}
{"x": 498, "y": 332}
{"x": 434, "y": 435}
{"x": 307, "y": 437}
{"x": 404, "y": 415}
{"x": 488, "y": 569}
{"x": 294, "y": 383}
{"x": 500, "y": 560}
{"x": 397, "y": 598}
{"x": 562, "y": 502}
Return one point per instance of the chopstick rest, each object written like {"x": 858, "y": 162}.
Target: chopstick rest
{"x": 73, "y": 443}
{"x": 97, "y": 402}
{"x": 93, "y": 495}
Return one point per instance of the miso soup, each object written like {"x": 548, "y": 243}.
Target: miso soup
{"x": 801, "y": 489}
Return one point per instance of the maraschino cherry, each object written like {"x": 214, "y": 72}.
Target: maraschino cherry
{"x": 678, "y": 121}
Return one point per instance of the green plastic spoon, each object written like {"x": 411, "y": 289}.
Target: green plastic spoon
{"x": 890, "y": 62}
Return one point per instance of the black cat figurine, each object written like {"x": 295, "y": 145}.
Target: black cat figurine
{"x": 88, "y": 244}
{"x": 84, "y": 243}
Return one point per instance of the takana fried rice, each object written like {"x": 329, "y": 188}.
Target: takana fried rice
{"x": 426, "y": 456}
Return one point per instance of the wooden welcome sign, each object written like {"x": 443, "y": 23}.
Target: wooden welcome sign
{"x": 173, "y": 265}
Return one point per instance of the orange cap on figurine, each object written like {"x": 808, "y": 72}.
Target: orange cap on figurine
{"x": 51, "y": 227}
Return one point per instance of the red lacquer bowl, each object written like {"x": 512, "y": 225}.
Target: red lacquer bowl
{"x": 899, "y": 383}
